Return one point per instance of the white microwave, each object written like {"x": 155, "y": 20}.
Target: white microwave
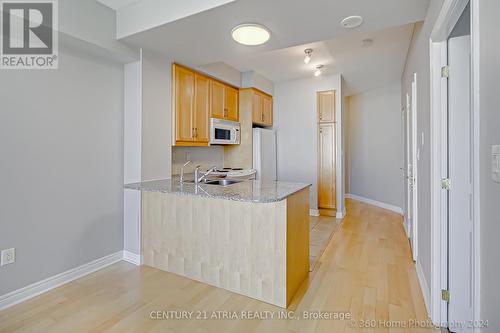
{"x": 224, "y": 132}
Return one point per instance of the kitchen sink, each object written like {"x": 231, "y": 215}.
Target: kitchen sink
{"x": 219, "y": 182}
{"x": 222, "y": 182}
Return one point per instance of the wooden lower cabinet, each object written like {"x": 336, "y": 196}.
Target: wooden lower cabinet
{"x": 326, "y": 166}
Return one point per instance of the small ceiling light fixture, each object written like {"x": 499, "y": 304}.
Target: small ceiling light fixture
{"x": 351, "y": 22}
{"x": 308, "y": 53}
{"x": 251, "y": 34}
{"x": 318, "y": 72}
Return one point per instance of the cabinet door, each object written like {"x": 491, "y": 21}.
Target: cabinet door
{"x": 231, "y": 106}
{"x": 267, "y": 110}
{"x": 217, "y": 99}
{"x": 257, "y": 108}
{"x": 201, "y": 112}
{"x": 326, "y": 106}
{"x": 184, "y": 103}
{"x": 326, "y": 167}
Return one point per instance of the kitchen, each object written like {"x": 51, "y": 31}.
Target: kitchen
{"x": 264, "y": 222}
{"x": 169, "y": 166}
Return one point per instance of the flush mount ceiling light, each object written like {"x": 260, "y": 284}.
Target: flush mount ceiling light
{"x": 318, "y": 72}
{"x": 308, "y": 53}
{"x": 250, "y": 34}
{"x": 351, "y": 22}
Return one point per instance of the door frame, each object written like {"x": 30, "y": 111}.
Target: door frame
{"x": 411, "y": 159}
{"x": 448, "y": 17}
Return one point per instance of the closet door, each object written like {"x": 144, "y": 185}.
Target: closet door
{"x": 326, "y": 166}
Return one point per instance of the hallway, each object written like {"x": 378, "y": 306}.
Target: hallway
{"x": 365, "y": 274}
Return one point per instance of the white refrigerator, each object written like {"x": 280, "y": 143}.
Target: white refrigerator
{"x": 264, "y": 153}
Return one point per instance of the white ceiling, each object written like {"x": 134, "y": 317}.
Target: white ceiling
{"x": 204, "y": 38}
{"x": 363, "y": 68}
{"x": 117, "y": 4}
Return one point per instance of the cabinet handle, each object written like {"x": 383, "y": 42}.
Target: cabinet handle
{"x": 262, "y": 117}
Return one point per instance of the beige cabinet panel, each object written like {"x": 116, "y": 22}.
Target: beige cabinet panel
{"x": 231, "y": 103}
{"x": 326, "y": 106}
{"x": 201, "y": 108}
{"x": 184, "y": 103}
{"x": 326, "y": 166}
{"x": 217, "y": 99}
{"x": 267, "y": 110}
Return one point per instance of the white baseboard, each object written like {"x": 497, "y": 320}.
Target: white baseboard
{"x": 405, "y": 227}
{"x": 132, "y": 258}
{"x": 426, "y": 292}
{"x": 314, "y": 212}
{"x": 55, "y": 281}
{"x": 384, "y": 205}
{"x": 340, "y": 215}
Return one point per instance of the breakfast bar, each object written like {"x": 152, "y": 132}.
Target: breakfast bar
{"x": 251, "y": 237}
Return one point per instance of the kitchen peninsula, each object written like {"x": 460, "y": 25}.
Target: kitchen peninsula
{"x": 251, "y": 237}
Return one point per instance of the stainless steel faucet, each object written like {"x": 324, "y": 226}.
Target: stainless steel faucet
{"x": 197, "y": 178}
{"x": 182, "y": 171}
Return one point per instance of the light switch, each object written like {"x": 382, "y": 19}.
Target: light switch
{"x": 495, "y": 163}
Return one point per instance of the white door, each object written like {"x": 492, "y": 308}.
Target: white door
{"x": 411, "y": 165}
{"x": 460, "y": 198}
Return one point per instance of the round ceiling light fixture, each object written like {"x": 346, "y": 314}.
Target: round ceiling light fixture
{"x": 351, "y": 22}
{"x": 251, "y": 34}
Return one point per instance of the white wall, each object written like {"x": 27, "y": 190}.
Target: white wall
{"x": 132, "y": 155}
{"x": 223, "y": 72}
{"x": 375, "y": 140}
{"x": 156, "y": 145}
{"x": 61, "y": 147}
{"x": 418, "y": 61}
{"x": 92, "y": 27}
{"x": 252, "y": 79}
{"x": 295, "y": 119}
{"x": 485, "y": 14}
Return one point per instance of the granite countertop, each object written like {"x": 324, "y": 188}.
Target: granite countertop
{"x": 248, "y": 190}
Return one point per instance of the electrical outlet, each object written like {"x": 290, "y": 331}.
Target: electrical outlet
{"x": 8, "y": 256}
{"x": 495, "y": 163}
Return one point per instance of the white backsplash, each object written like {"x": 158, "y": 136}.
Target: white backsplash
{"x": 207, "y": 157}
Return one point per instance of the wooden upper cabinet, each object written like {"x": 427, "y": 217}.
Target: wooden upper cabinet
{"x": 326, "y": 106}
{"x": 256, "y": 108}
{"x": 217, "y": 99}
{"x": 196, "y": 98}
{"x": 201, "y": 112}
{"x": 184, "y": 103}
{"x": 262, "y": 108}
{"x": 231, "y": 104}
{"x": 267, "y": 110}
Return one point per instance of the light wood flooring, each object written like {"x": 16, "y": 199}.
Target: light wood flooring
{"x": 365, "y": 271}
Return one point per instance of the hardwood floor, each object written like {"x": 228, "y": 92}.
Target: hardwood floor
{"x": 365, "y": 271}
